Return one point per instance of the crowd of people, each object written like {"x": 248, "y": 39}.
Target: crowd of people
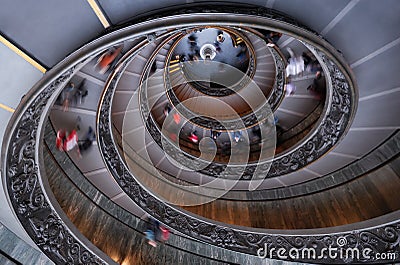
{"x": 192, "y": 134}
{"x": 73, "y": 95}
{"x": 68, "y": 140}
{"x": 193, "y": 53}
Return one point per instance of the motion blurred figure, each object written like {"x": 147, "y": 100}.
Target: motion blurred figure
{"x": 105, "y": 60}
{"x": 295, "y": 65}
{"x": 193, "y": 137}
{"x": 67, "y": 96}
{"x": 88, "y": 141}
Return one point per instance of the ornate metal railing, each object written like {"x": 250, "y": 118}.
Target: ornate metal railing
{"x": 385, "y": 152}
{"x": 248, "y": 120}
{"x": 42, "y": 218}
{"x": 129, "y": 223}
{"x": 251, "y": 241}
{"x": 278, "y": 90}
{"x": 261, "y": 114}
{"x": 338, "y": 109}
{"x": 26, "y": 183}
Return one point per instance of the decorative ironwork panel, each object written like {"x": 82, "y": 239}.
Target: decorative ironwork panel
{"x": 28, "y": 196}
{"x": 340, "y": 106}
{"x": 248, "y": 120}
{"x": 385, "y": 238}
{"x": 47, "y": 229}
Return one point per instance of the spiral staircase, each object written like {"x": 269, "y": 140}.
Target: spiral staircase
{"x": 195, "y": 127}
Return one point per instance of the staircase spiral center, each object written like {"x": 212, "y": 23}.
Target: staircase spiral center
{"x": 208, "y": 51}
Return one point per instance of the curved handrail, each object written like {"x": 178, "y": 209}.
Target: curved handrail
{"x": 311, "y": 118}
{"x": 233, "y": 238}
{"x": 239, "y": 234}
{"x": 26, "y": 183}
{"x": 250, "y": 119}
{"x": 373, "y": 160}
{"x": 275, "y": 99}
{"x": 283, "y": 194}
{"x": 71, "y": 173}
{"x": 303, "y": 127}
{"x": 386, "y": 151}
{"x": 278, "y": 91}
{"x": 24, "y": 180}
{"x": 332, "y": 124}
{"x": 168, "y": 37}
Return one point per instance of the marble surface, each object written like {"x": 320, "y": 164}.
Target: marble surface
{"x": 17, "y": 249}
